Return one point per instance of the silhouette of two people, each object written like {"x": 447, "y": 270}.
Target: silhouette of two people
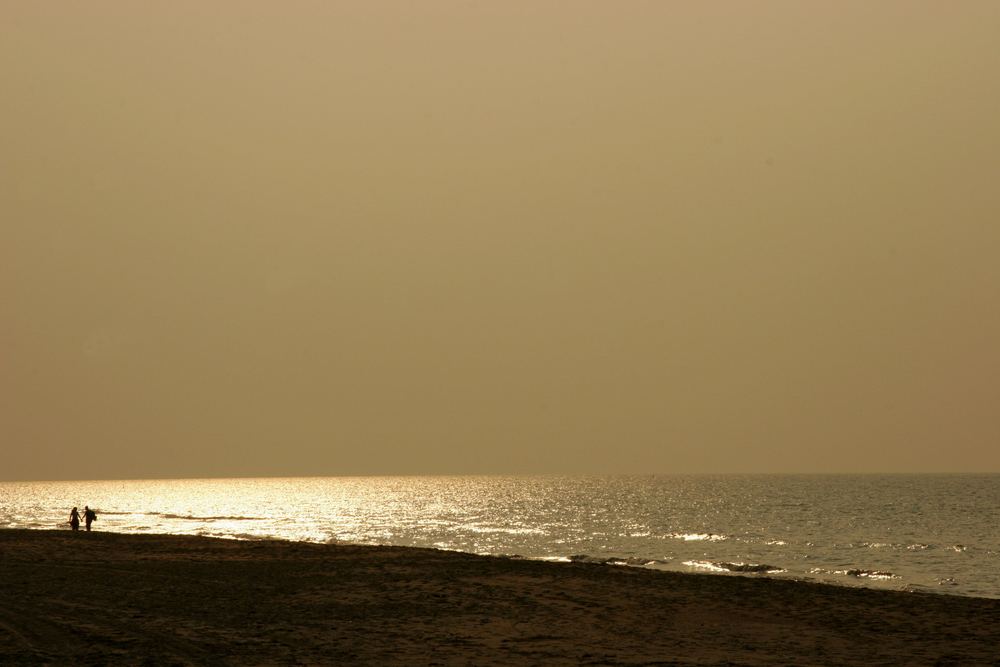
{"x": 89, "y": 516}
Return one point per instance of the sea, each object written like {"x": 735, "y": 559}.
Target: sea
{"x": 918, "y": 533}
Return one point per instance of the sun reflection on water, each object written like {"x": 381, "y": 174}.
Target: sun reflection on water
{"x": 746, "y": 524}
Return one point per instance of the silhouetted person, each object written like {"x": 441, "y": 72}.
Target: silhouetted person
{"x": 74, "y": 519}
{"x": 89, "y": 515}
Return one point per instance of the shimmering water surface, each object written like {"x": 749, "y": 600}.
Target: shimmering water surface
{"x": 937, "y": 533}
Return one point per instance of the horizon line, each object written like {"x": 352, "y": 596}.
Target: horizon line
{"x": 511, "y": 474}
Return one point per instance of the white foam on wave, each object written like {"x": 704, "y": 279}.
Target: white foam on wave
{"x": 633, "y": 561}
{"x": 875, "y": 545}
{"x": 698, "y": 537}
{"x": 741, "y": 567}
{"x": 859, "y": 573}
{"x": 506, "y": 531}
{"x": 191, "y": 517}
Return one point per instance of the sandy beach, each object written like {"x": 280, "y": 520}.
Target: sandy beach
{"x": 78, "y": 598}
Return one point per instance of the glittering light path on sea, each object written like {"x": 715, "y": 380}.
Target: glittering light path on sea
{"x": 912, "y": 532}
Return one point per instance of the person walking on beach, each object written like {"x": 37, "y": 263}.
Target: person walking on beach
{"x": 89, "y": 516}
{"x": 74, "y": 519}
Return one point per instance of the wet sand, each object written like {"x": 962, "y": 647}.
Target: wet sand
{"x": 98, "y": 598}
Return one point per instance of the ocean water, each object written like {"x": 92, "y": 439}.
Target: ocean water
{"x": 921, "y": 533}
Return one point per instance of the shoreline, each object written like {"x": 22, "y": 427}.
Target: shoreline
{"x": 703, "y": 567}
{"x": 125, "y": 598}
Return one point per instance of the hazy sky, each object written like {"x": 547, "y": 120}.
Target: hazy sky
{"x": 281, "y": 238}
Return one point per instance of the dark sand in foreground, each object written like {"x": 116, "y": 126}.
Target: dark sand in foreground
{"x": 153, "y": 599}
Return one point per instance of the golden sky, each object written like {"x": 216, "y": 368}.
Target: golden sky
{"x": 283, "y": 238}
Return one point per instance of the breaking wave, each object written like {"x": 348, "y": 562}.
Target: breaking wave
{"x": 867, "y": 574}
{"x": 858, "y": 573}
{"x": 698, "y": 537}
{"x": 876, "y": 545}
{"x": 507, "y": 531}
{"x": 614, "y": 560}
{"x": 191, "y": 517}
{"x": 726, "y": 566}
